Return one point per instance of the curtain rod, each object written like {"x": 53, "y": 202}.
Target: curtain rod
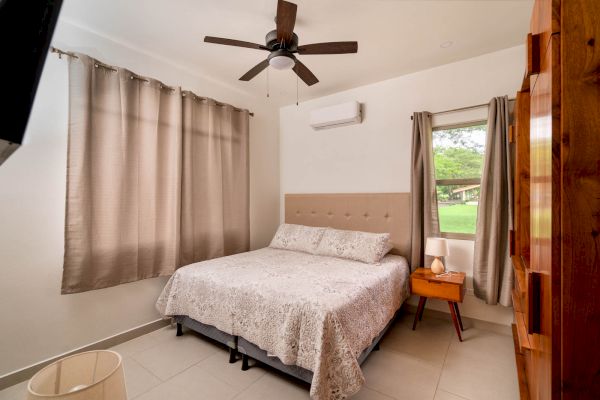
{"x": 463, "y": 108}
{"x": 141, "y": 78}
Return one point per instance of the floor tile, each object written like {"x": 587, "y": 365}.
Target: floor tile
{"x": 400, "y": 376}
{"x": 201, "y": 385}
{"x": 370, "y": 394}
{"x": 219, "y": 367}
{"x": 410, "y": 365}
{"x": 16, "y": 392}
{"x": 166, "y": 391}
{"x": 428, "y": 342}
{"x": 138, "y": 379}
{"x": 275, "y": 387}
{"x": 482, "y": 366}
{"x": 135, "y": 346}
{"x": 175, "y": 355}
{"x": 443, "y": 395}
{"x": 167, "y": 333}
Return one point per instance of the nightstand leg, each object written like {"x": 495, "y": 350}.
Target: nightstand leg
{"x": 458, "y": 316}
{"x": 454, "y": 319}
{"x": 419, "y": 313}
{"x": 422, "y": 308}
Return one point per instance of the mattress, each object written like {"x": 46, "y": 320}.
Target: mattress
{"x": 312, "y": 311}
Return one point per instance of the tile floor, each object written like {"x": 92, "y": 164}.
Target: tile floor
{"x": 429, "y": 363}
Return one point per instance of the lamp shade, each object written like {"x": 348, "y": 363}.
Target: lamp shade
{"x": 92, "y": 375}
{"x": 437, "y": 247}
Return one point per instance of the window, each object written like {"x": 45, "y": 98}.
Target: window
{"x": 458, "y": 152}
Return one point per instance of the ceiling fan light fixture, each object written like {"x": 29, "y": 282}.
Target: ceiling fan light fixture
{"x": 282, "y": 62}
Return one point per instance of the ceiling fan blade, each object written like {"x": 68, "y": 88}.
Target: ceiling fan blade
{"x": 304, "y": 73}
{"x": 329, "y": 48}
{"x": 255, "y": 70}
{"x": 233, "y": 42}
{"x": 285, "y": 19}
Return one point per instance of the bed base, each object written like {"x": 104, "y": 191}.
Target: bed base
{"x": 211, "y": 332}
{"x": 249, "y": 350}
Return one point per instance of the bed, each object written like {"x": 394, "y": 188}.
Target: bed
{"x": 312, "y": 316}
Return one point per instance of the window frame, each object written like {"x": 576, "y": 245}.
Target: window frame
{"x": 457, "y": 181}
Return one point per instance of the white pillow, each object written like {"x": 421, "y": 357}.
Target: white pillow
{"x": 297, "y": 238}
{"x": 355, "y": 245}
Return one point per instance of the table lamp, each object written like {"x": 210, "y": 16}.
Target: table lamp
{"x": 437, "y": 247}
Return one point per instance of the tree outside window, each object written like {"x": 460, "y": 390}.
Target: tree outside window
{"x": 458, "y": 153}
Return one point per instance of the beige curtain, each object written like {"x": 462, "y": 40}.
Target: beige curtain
{"x": 492, "y": 271}
{"x": 215, "y": 186}
{"x": 424, "y": 208}
{"x": 144, "y": 194}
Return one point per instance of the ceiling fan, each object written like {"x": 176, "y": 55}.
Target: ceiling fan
{"x": 282, "y": 43}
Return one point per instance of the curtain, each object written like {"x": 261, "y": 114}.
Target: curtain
{"x": 492, "y": 271}
{"x": 424, "y": 208}
{"x": 215, "y": 217}
{"x": 138, "y": 183}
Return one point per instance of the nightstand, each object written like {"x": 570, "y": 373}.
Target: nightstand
{"x": 450, "y": 287}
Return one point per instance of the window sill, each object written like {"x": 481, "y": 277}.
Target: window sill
{"x": 458, "y": 236}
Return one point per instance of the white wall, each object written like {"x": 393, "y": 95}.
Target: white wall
{"x": 375, "y": 155}
{"x": 36, "y": 322}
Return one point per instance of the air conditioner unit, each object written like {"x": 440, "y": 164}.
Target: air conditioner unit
{"x": 334, "y": 116}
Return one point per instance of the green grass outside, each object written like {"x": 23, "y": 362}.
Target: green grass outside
{"x": 458, "y": 218}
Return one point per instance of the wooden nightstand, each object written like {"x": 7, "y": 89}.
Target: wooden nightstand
{"x": 450, "y": 288}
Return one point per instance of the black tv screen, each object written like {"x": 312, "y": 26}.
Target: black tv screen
{"x": 26, "y": 29}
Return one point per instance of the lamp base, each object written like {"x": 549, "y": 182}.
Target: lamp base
{"x": 437, "y": 266}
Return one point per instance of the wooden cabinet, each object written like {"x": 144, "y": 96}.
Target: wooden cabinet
{"x": 557, "y": 190}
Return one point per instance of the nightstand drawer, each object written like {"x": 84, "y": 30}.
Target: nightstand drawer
{"x": 439, "y": 290}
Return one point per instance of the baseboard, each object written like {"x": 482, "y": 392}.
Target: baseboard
{"x": 18, "y": 376}
{"x": 467, "y": 321}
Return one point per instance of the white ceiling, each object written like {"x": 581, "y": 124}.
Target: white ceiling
{"x": 395, "y": 37}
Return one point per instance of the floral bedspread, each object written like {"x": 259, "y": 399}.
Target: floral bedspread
{"x": 313, "y": 311}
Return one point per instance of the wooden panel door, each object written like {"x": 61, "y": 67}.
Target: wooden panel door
{"x": 544, "y": 374}
{"x": 522, "y": 220}
{"x": 580, "y": 153}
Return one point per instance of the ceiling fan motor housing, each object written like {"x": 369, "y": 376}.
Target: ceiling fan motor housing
{"x": 273, "y": 44}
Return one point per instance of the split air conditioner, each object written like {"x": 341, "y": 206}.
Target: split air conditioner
{"x": 334, "y": 116}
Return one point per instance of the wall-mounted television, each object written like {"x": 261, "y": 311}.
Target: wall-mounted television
{"x": 26, "y": 29}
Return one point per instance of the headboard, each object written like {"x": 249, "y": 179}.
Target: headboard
{"x": 369, "y": 212}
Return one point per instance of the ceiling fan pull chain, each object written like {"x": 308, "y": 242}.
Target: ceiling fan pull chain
{"x": 268, "y": 85}
{"x": 296, "y": 90}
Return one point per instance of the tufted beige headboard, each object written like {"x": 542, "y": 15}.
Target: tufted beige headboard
{"x": 369, "y": 212}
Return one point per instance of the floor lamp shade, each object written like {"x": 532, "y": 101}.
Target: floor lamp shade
{"x": 93, "y": 375}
